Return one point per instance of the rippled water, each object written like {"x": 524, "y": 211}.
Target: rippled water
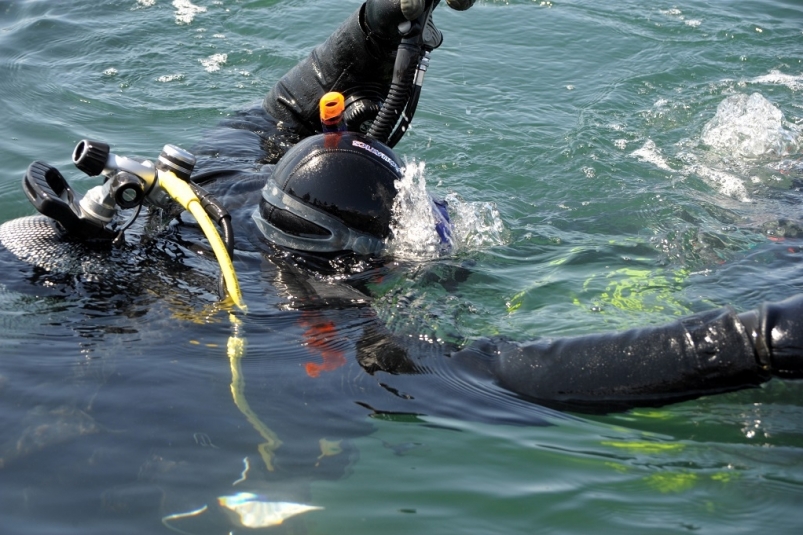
{"x": 613, "y": 164}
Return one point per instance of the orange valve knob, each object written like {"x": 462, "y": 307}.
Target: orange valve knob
{"x": 332, "y": 106}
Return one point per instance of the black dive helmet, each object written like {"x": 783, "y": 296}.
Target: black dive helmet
{"x": 331, "y": 192}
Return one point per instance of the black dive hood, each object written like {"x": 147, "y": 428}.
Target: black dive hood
{"x": 329, "y": 193}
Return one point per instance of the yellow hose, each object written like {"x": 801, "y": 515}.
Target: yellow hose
{"x": 182, "y": 193}
{"x": 236, "y": 350}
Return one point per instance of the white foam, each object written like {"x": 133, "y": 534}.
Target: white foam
{"x": 186, "y": 11}
{"x": 213, "y": 62}
{"x": 775, "y": 77}
{"x": 650, "y": 153}
{"x": 727, "y": 183}
{"x": 170, "y": 78}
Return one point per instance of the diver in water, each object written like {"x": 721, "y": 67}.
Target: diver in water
{"x": 320, "y": 197}
{"x": 331, "y": 193}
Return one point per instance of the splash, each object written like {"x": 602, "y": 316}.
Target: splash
{"x": 474, "y": 225}
{"x": 746, "y": 131}
{"x": 750, "y": 127}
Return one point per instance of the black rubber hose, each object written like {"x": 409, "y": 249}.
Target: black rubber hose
{"x": 409, "y": 111}
{"x": 403, "y": 73}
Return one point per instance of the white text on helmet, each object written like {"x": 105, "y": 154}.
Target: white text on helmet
{"x": 372, "y": 150}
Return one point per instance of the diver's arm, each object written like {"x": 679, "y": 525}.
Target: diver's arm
{"x": 707, "y": 353}
{"x": 358, "y": 54}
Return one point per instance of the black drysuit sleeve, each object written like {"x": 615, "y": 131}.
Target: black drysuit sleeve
{"x": 359, "y": 54}
{"x": 708, "y": 353}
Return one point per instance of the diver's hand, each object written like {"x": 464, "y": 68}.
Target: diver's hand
{"x": 412, "y": 9}
{"x": 460, "y": 5}
{"x": 384, "y": 16}
{"x": 776, "y": 330}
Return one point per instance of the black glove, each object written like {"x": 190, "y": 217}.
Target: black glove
{"x": 412, "y": 9}
{"x": 777, "y": 333}
{"x": 384, "y": 16}
{"x": 460, "y": 5}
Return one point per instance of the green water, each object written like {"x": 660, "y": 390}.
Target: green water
{"x": 582, "y": 123}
